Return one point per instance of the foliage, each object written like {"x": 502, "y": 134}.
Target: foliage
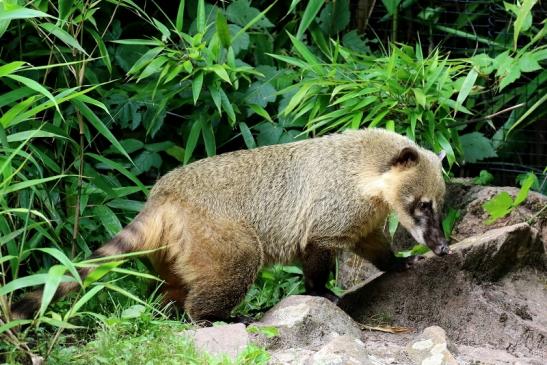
{"x": 503, "y": 204}
{"x": 484, "y": 178}
{"x": 273, "y": 284}
{"x": 146, "y": 340}
{"x": 401, "y": 91}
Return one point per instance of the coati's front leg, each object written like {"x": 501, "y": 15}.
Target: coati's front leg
{"x": 317, "y": 263}
{"x": 376, "y": 248}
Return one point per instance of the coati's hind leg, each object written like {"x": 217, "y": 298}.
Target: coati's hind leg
{"x": 219, "y": 266}
{"x": 317, "y": 263}
{"x": 376, "y": 248}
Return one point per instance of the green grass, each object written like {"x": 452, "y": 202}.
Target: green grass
{"x": 141, "y": 340}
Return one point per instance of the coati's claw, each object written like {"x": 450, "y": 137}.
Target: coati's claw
{"x": 405, "y": 263}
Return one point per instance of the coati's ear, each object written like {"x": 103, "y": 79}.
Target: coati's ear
{"x": 406, "y": 158}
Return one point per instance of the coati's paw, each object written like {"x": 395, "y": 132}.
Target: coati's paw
{"x": 405, "y": 263}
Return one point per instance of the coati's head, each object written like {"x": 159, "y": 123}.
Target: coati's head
{"x": 416, "y": 192}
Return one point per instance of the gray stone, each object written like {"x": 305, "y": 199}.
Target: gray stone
{"x": 492, "y": 254}
{"x": 431, "y": 348}
{"x": 306, "y": 321}
{"x": 292, "y": 356}
{"x": 342, "y": 350}
{"x": 229, "y": 339}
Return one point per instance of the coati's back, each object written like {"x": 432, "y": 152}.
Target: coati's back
{"x": 287, "y": 192}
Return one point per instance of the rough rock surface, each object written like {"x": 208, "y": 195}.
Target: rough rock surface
{"x": 306, "y": 321}
{"x": 468, "y": 198}
{"x": 432, "y": 348}
{"x": 469, "y": 293}
{"x": 228, "y": 339}
{"x": 342, "y": 350}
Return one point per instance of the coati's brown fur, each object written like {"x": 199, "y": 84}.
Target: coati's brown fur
{"x": 222, "y": 218}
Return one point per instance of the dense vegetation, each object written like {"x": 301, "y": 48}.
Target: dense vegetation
{"x": 99, "y": 98}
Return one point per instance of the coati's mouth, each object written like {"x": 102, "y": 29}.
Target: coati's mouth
{"x": 441, "y": 249}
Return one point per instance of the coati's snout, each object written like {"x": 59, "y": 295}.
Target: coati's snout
{"x": 416, "y": 175}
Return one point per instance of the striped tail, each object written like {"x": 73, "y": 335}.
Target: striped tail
{"x": 130, "y": 239}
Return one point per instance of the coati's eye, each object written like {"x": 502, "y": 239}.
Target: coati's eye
{"x": 424, "y": 205}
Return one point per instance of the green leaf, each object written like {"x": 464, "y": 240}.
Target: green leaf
{"x": 84, "y": 299}
{"x": 135, "y": 311}
{"x": 36, "y": 87}
{"x": 200, "y": 18}
{"x": 55, "y": 274}
{"x": 100, "y": 271}
{"x": 447, "y": 147}
{"x": 192, "y": 141}
{"x": 10, "y": 68}
{"x": 524, "y": 19}
{"x": 63, "y": 259}
{"x": 227, "y": 106}
{"x": 449, "y": 221}
{"x": 63, "y": 36}
{"x": 476, "y": 147}
{"x": 393, "y": 223}
{"x": 261, "y": 111}
{"x": 22, "y": 13}
{"x": 525, "y": 188}
{"x": 108, "y": 219}
{"x": 165, "y": 33}
{"x": 220, "y": 71}
{"x": 222, "y": 30}
{"x": 391, "y": 5}
{"x": 309, "y": 15}
{"x": 498, "y": 207}
{"x": 180, "y": 16}
{"x": 420, "y": 97}
{"x": 208, "y": 137}
{"x": 121, "y": 169}
{"x": 304, "y": 51}
{"x": 467, "y": 85}
{"x": 484, "y": 178}
{"x": 528, "y": 63}
{"x": 99, "y": 126}
{"x": 196, "y": 86}
{"x": 26, "y": 281}
{"x": 247, "y": 135}
{"x": 102, "y": 49}
{"x": 268, "y": 331}
{"x": 12, "y": 324}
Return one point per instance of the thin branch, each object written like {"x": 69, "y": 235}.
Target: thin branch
{"x": 475, "y": 120}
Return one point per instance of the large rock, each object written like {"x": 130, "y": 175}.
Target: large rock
{"x": 432, "y": 348}
{"x": 306, "y": 321}
{"x": 229, "y": 339}
{"x": 343, "y": 350}
{"x": 468, "y": 198}
{"x": 469, "y": 293}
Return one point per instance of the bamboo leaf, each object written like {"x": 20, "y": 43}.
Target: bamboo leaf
{"x": 310, "y": 14}
{"x": 197, "y": 83}
{"x": 63, "y": 36}
{"x": 247, "y": 135}
{"x": 180, "y": 16}
{"x": 22, "y": 13}
{"x": 192, "y": 141}
{"x": 467, "y": 85}
{"x": 63, "y": 259}
{"x": 55, "y": 274}
{"x": 100, "y": 126}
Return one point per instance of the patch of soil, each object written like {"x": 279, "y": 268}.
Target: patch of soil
{"x": 495, "y": 323}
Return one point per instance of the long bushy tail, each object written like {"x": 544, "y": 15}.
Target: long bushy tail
{"x": 132, "y": 238}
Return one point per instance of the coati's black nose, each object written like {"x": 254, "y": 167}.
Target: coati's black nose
{"x": 444, "y": 250}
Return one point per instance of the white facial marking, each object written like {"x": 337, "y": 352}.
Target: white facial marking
{"x": 418, "y": 234}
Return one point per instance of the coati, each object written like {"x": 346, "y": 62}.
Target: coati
{"x": 221, "y": 218}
